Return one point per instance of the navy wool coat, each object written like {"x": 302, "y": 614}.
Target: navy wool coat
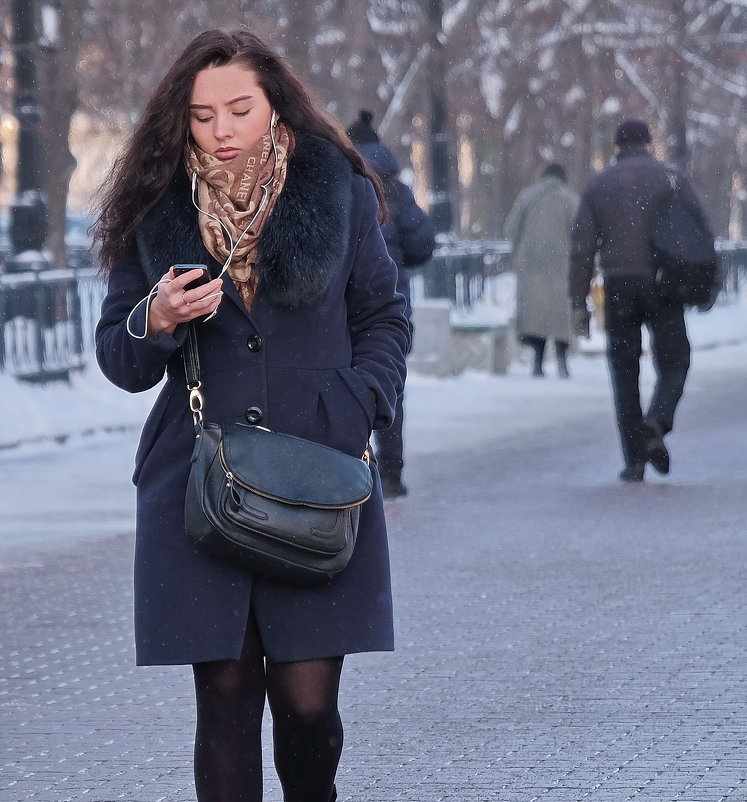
{"x": 321, "y": 355}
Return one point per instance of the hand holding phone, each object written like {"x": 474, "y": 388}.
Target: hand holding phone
{"x": 175, "y": 303}
{"x": 180, "y": 270}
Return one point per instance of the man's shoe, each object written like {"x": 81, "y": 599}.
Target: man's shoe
{"x": 632, "y": 473}
{"x": 656, "y": 452}
{"x": 392, "y": 487}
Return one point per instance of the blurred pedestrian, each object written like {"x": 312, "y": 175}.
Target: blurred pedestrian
{"x": 410, "y": 240}
{"x": 616, "y": 219}
{"x": 539, "y": 227}
{"x": 234, "y": 166}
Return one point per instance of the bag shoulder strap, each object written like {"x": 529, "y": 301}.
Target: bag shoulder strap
{"x": 665, "y": 202}
{"x": 191, "y": 357}
{"x": 192, "y": 372}
{"x": 677, "y": 195}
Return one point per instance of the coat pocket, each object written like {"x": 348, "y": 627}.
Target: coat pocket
{"x": 345, "y": 423}
{"x": 362, "y": 393}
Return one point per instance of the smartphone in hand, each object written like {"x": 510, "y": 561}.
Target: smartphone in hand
{"x": 179, "y": 270}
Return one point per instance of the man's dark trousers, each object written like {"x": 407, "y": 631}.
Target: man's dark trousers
{"x": 630, "y": 302}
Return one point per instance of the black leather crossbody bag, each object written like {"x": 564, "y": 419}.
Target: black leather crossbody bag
{"x": 276, "y": 504}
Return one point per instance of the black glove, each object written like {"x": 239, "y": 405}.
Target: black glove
{"x": 581, "y": 318}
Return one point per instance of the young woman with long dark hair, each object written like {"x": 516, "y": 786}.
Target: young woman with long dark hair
{"x": 300, "y": 329}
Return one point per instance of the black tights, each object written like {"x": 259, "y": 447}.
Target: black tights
{"x": 307, "y": 730}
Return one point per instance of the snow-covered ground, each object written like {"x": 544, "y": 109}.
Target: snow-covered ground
{"x": 441, "y": 413}
{"x": 78, "y": 442}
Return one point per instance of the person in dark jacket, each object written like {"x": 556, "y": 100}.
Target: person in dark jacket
{"x": 301, "y": 330}
{"x": 615, "y": 218}
{"x": 410, "y": 240}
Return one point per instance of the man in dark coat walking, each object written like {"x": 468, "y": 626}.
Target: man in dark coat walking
{"x": 410, "y": 240}
{"x": 616, "y": 217}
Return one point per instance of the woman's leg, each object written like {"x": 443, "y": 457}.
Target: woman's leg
{"x": 228, "y": 743}
{"x": 538, "y": 345}
{"x": 389, "y": 449}
{"x": 306, "y": 726}
{"x": 561, "y": 352}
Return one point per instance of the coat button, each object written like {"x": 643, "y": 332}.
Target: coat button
{"x": 254, "y": 415}
{"x": 254, "y": 343}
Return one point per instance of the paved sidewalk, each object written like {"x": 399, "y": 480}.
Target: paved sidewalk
{"x": 561, "y": 637}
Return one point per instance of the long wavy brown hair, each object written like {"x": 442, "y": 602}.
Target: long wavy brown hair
{"x": 149, "y": 160}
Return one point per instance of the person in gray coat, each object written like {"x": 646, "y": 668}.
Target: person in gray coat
{"x": 539, "y": 227}
{"x": 616, "y": 219}
{"x": 301, "y": 330}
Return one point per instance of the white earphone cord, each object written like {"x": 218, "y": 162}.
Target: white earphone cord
{"x": 154, "y": 290}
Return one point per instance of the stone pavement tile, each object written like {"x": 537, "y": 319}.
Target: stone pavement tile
{"x": 442, "y": 793}
{"x": 677, "y": 795}
{"x": 593, "y": 794}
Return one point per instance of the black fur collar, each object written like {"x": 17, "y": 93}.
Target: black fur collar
{"x": 301, "y": 244}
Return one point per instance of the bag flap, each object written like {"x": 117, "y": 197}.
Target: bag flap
{"x": 292, "y": 469}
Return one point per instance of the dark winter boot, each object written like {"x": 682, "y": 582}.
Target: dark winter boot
{"x": 656, "y": 452}
{"x": 537, "y": 344}
{"x": 632, "y": 473}
{"x": 392, "y": 486}
{"x": 539, "y": 355}
{"x": 561, "y": 352}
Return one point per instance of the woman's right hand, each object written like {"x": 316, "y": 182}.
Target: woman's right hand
{"x": 173, "y": 304}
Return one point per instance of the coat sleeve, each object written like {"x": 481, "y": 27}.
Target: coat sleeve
{"x": 417, "y": 237}
{"x": 379, "y": 331}
{"x": 131, "y": 363}
{"x": 584, "y": 245}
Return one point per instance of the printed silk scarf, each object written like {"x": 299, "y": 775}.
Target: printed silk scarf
{"x": 232, "y": 191}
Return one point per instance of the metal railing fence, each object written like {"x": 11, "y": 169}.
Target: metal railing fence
{"x": 733, "y": 260}
{"x": 47, "y": 322}
{"x": 48, "y": 317}
{"x": 460, "y": 271}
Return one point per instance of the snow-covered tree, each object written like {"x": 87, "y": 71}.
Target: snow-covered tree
{"x": 524, "y": 82}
